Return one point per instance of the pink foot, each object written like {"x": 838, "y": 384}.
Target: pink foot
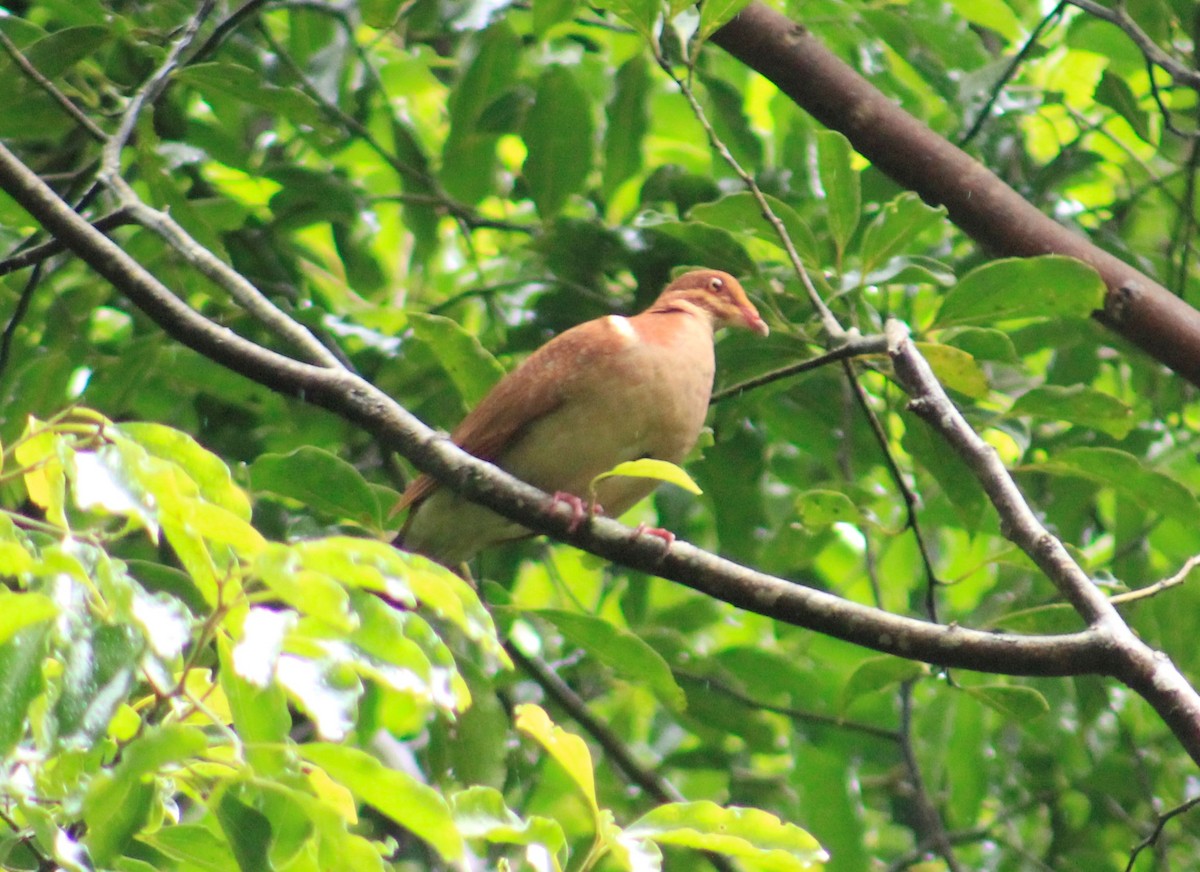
{"x": 579, "y": 509}
{"x": 666, "y": 535}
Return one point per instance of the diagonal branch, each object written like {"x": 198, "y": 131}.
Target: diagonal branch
{"x": 983, "y": 206}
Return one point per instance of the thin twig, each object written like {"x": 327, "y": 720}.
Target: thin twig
{"x": 77, "y": 114}
{"x": 1153, "y": 836}
{"x": 1159, "y": 586}
{"x": 931, "y": 828}
{"x": 828, "y": 321}
{"x": 36, "y": 254}
{"x": 1118, "y": 16}
{"x": 1008, "y": 73}
{"x": 854, "y": 346}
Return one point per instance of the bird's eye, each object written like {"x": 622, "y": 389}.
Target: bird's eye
{"x": 716, "y": 284}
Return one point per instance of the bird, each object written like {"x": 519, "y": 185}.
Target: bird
{"x": 601, "y": 393}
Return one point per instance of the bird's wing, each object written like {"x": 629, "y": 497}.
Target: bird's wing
{"x": 537, "y": 387}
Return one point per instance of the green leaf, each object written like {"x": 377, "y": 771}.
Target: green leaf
{"x": 225, "y": 79}
{"x": 648, "y": 467}
{"x": 558, "y": 135}
{"x": 471, "y": 367}
{"x": 415, "y": 806}
{"x": 98, "y": 674}
{"x": 992, "y": 15}
{"x": 469, "y": 154}
{"x": 195, "y": 845}
{"x": 320, "y": 480}
{"x": 1012, "y": 288}
{"x": 547, "y": 13}
{"x": 206, "y": 469}
{"x": 1078, "y": 404}
{"x": 1153, "y": 490}
{"x": 620, "y": 649}
{"x": 736, "y": 832}
{"x": 248, "y": 831}
{"x": 1019, "y": 704}
{"x": 840, "y": 185}
{"x": 628, "y": 120}
{"x": 952, "y": 474}
{"x": 1114, "y": 92}
{"x": 310, "y": 592}
{"x": 21, "y": 610}
{"x": 480, "y": 813}
{"x": 57, "y": 52}
{"x": 955, "y": 369}
{"x": 728, "y": 114}
{"x": 567, "y": 749}
{"x": 898, "y": 223}
{"x": 118, "y": 802}
{"x": 711, "y": 246}
{"x": 260, "y": 715}
{"x": 740, "y": 213}
{"x": 714, "y": 14}
{"x": 638, "y": 14}
{"x": 877, "y": 673}
{"x": 21, "y": 665}
{"x": 822, "y": 508}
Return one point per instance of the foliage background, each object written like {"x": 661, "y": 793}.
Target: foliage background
{"x": 438, "y": 187}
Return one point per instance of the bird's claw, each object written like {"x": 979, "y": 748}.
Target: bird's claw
{"x": 579, "y": 509}
{"x": 658, "y": 532}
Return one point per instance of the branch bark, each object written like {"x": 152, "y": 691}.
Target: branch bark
{"x": 979, "y": 202}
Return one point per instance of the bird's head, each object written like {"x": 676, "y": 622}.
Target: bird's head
{"x": 716, "y": 293}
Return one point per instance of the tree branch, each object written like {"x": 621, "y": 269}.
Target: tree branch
{"x": 342, "y": 392}
{"x": 983, "y": 206}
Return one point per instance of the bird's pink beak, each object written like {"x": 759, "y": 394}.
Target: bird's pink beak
{"x": 754, "y": 321}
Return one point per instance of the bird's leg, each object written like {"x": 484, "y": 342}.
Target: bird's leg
{"x": 579, "y": 510}
{"x": 658, "y": 532}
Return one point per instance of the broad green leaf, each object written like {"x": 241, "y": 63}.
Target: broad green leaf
{"x": 992, "y": 14}
{"x": 623, "y": 651}
{"x": 98, "y": 673}
{"x": 955, "y": 369}
{"x": 1019, "y": 288}
{"x": 982, "y": 343}
{"x": 547, "y": 13}
{"x": 648, "y": 467}
{"x": 260, "y": 715}
{"x": 558, "y": 134}
{"x": 21, "y": 610}
{"x": 1114, "y": 92}
{"x": 898, "y": 223}
{"x": 469, "y": 153}
{"x": 727, "y": 112}
{"x": 740, "y": 213}
{"x": 638, "y": 14}
{"x": 952, "y": 474}
{"x": 480, "y": 813}
{"x": 471, "y": 367}
{"x": 319, "y": 480}
{"x": 877, "y": 673}
{"x": 1020, "y": 704}
{"x": 244, "y": 84}
{"x": 194, "y": 845}
{"x": 711, "y": 246}
{"x": 118, "y": 802}
{"x": 748, "y": 833}
{"x": 415, "y": 806}
{"x": 628, "y": 120}
{"x": 1153, "y": 490}
{"x": 21, "y": 665}
{"x": 821, "y": 508}
{"x": 1078, "y": 404}
{"x": 715, "y": 13}
{"x": 57, "y": 52}
{"x": 206, "y": 469}
{"x": 840, "y": 186}
{"x": 247, "y": 830}
{"x": 311, "y": 592}
{"x": 45, "y": 479}
{"x": 569, "y": 750}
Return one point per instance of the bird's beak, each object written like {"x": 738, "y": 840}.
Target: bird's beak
{"x": 754, "y": 321}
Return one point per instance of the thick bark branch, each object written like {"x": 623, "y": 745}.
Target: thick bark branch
{"x": 992, "y": 213}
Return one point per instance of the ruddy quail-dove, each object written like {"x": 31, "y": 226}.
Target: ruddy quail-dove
{"x": 604, "y": 392}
